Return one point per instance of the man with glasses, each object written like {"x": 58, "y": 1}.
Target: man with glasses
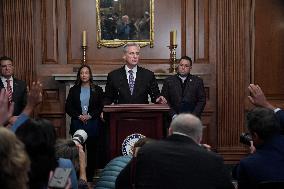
{"x": 184, "y": 92}
{"x": 15, "y": 88}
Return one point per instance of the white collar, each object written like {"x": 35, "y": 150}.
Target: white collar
{"x": 127, "y": 69}
{"x": 3, "y": 79}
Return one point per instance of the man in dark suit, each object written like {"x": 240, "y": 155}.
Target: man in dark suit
{"x": 266, "y": 164}
{"x": 16, "y": 89}
{"x": 258, "y": 98}
{"x": 179, "y": 161}
{"x": 131, "y": 84}
{"x": 184, "y": 92}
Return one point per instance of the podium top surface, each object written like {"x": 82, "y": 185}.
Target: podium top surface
{"x": 136, "y": 108}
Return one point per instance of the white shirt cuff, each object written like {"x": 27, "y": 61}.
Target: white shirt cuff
{"x": 276, "y": 110}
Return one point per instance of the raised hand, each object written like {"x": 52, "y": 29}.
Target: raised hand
{"x": 34, "y": 97}
{"x": 6, "y": 109}
{"x": 258, "y": 98}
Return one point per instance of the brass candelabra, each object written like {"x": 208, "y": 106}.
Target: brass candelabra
{"x": 84, "y": 48}
{"x": 173, "y": 58}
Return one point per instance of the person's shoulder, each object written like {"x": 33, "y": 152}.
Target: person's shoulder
{"x": 195, "y": 78}
{"x": 19, "y": 81}
{"x": 171, "y": 78}
{"x": 64, "y": 163}
{"x": 116, "y": 71}
{"x": 96, "y": 87}
{"x": 74, "y": 88}
{"x": 144, "y": 70}
{"x": 251, "y": 159}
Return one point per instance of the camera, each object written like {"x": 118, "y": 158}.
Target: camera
{"x": 245, "y": 138}
{"x": 80, "y": 137}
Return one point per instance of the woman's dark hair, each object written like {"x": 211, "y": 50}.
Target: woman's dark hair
{"x": 39, "y": 138}
{"x": 78, "y": 80}
{"x": 67, "y": 149}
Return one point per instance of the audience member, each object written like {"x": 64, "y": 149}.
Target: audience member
{"x": 16, "y": 89}
{"x": 68, "y": 149}
{"x": 14, "y": 161}
{"x": 84, "y": 105}
{"x": 39, "y": 139}
{"x": 112, "y": 169}
{"x": 184, "y": 92}
{"x": 258, "y": 98}
{"x": 178, "y": 161}
{"x": 34, "y": 99}
{"x": 123, "y": 28}
{"x": 266, "y": 164}
{"x": 144, "y": 27}
{"x": 131, "y": 84}
{"x": 6, "y": 109}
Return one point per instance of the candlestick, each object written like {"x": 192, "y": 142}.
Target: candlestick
{"x": 84, "y": 61}
{"x": 84, "y": 40}
{"x": 173, "y": 58}
{"x": 173, "y": 37}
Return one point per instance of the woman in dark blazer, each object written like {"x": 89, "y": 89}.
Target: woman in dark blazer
{"x": 84, "y": 105}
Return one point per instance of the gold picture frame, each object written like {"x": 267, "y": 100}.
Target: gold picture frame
{"x": 118, "y": 24}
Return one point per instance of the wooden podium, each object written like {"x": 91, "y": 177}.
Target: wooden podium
{"x": 127, "y": 119}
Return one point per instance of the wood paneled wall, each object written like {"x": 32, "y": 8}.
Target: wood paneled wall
{"x": 268, "y": 68}
{"x": 231, "y": 42}
{"x": 233, "y": 60}
{"x": 18, "y": 37}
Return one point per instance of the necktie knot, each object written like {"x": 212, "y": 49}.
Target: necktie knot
{"x": 8, "y": 81}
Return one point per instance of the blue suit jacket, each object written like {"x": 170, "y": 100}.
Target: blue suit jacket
{"x": 267, "y": 164}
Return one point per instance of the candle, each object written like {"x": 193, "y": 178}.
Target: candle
{"x": 84, "y": 38}
{"x": 173, "y": 37}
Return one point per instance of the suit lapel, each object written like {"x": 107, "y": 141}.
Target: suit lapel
{"x": 178, "y": 86}
{"x": 123, "y": 81}
{"x": 138, "y": 80}
{"x": 1, "y": 84}
{"x": 15, "y": 88}
{"x": 188, "y": 84}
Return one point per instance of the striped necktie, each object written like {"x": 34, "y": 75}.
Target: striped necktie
{"x": 9, "y": 90}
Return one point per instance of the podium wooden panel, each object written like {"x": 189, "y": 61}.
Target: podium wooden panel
{"x": 126, "y": 119}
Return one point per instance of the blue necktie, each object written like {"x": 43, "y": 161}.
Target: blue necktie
{"x": 131, "y": 81}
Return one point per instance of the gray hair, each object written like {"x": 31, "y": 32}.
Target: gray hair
{"x": 125, "y": 47}
{"x": 187, "y": 124}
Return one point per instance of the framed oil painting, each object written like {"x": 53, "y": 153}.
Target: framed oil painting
{"x": 123, "y": 21}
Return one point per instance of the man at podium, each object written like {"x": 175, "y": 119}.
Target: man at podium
{"x": 131, "y": 84}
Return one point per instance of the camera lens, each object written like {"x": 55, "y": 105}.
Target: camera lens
{"x": 245, "y": 138}
{"x": 80, "y": 136}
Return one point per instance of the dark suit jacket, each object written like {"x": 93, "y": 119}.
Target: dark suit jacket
{"x": 280, "y": 117}
{"x": 266, "y": 164}
{"x": 117, "y": 88}
{"x": 19, "y": 95}
{"x": 193, "y": 97}
{"x": 73, "y": 104}
{"x": 176, "y": 162}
